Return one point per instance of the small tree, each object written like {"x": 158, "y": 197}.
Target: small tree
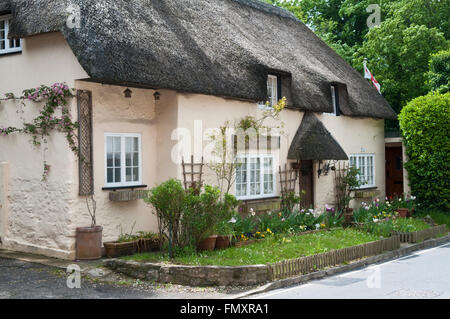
{"x": 425, "y": 125}
{"x": 168, "y": 201}
{"x": 346, "y": 182}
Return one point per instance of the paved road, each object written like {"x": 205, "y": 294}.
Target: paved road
{"x": 25, "y": 280}
{"x": 425, "y": 274}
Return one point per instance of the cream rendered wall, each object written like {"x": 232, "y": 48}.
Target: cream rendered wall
{"x": 113, "y": 113}
{"x": 355, "y": 135}
{"x": 38, "y": 216}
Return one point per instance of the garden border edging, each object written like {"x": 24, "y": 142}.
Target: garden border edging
{"x": 391, "y": 255}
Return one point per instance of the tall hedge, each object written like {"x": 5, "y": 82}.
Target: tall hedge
{"x": 425, "y": 124}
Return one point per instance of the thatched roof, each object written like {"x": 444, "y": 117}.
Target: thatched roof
{"x": 313, "y": 142}
{"x": 5, "y": 6}
{"x": 218, "y": 47}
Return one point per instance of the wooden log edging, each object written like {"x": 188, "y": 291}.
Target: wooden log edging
{"x": 421, "y": 235}
{"x": 304, "y": 265}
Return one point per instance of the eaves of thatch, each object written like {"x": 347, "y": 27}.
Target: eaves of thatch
{"x": 313, "y": 142}
{"x": 217, "y": 47}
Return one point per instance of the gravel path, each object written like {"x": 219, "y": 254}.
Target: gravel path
{"x": 25, "y": 280}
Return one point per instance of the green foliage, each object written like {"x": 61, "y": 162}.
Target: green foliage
{"x": 204, "y": 213}
{"x": 438, "y": 216}
{"x": 439, "y": 74}
{"x": 425, "y": 123}
{"x": 348, "y": 182}
{"x": 383, "y": 229}
{"x": 408, "y": 225}
{"x": 272, "y": 249}
{"x": 289, "y": 201}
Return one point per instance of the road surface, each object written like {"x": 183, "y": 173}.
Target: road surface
{"x": 423, "y": 275}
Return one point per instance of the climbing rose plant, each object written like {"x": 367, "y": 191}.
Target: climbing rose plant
{"x": 56, "y": 99}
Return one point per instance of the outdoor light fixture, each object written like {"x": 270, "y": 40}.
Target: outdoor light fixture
{"x": 326, "y": 168}
{"x": 157, "y": 96}
{"x": 127, "y": 93}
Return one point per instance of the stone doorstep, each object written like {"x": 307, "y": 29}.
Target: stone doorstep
{"x": 407, "y": 249}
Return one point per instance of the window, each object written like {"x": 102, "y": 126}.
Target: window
{"x": 123, "y": 159}
{"x": 366, "y": 165}
{"x": 273, "y": 91}
{"x": 334, "y": 101}
{"x": 8, "y": 45}
{"x": 255, "y": 177}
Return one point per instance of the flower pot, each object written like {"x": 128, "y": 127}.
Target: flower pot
{"x": 222, "y": 242}
{"x": 89, "y": 243}
{"x": 147, "y": 244}
{"x": 207, "y": 243}
{"x": 348, "y": 217}
{"x": 403, "y": 212}
{"x": 115, "y": 249}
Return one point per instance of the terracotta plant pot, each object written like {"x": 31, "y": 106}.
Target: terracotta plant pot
{"x": 207, "y": 243}
{"x": 115, "y": 249}
{"x": 89, "y": 243}
{"x": 222, "y": 242}
{"x": 348, "y": 218}
{"x": 403, "y": 212}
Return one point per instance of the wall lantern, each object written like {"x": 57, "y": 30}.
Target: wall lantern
{"x": 127, "y": 93}
{"x": 157, "y": 96}
{"x": 331, "y": 165}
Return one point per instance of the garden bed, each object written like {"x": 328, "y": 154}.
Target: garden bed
{"x": 272, "y": 249}
{"x": 320, "y": 257}
{"x": 421, "y": 235}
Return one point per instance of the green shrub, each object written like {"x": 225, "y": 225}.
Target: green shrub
{"x": 425, "y": 124}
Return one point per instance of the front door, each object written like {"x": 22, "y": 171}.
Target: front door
{"x": 394, "y": 171}
{"x": 306, "y": 182}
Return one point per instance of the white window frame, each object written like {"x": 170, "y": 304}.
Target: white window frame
{"x": 271, "y": 79}
{"x": 123, "y": 137}
{"x": 7, "y": 19}
{"x": 333, "y": 101}
{"x": 261, "y": 176}
{"x": 364, "y": 170}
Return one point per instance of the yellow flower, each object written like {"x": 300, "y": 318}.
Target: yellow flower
{"x": 322, "y": 225}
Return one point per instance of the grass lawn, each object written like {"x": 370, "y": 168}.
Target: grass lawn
{"x": 409, "y": 225}
{"x": 438, "y": 216}
{"x": 273, "y": 249}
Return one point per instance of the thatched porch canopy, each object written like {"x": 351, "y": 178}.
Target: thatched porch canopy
{"x": 217, "y": 47}
{"x": 313, "y": 142}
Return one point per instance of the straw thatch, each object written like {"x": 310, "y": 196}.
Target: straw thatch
{"x": 217, "y": 47}
{"x": 313, "y": 142}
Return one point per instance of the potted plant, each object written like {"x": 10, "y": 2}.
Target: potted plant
{"x": 223, "y": 231}
{"x": 347, "y": 181}
{"x": 89, "y": 239}
{"x": 147, "y": 241}
{"x": 125, "y": 245}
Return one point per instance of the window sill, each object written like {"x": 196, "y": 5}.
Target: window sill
{"x": 10, "y": 53}
{"x": 113, "y": 188}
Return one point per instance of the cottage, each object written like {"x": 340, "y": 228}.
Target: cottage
{"x": 149, "y": 73}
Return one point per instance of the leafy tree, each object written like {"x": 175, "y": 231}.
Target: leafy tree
{"x": 425, "y": 123}
{"x": 439, "y": 74}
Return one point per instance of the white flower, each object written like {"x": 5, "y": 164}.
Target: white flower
{"x": 413, "y": 197}
{"x": 232, "y": 220}
{"x": 311, "y": 210}
{"x": 269, "y": 213}
{"x": 317, "y": 226}
{"x": 375, "y": 220}
{"x": 282, "y": 219}
{"x": 367, "y": 208}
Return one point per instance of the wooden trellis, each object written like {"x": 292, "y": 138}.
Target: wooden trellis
{"x": 288, "y": 179}
{"x": 192, "y": 174}
{"x": 339, "y": 175}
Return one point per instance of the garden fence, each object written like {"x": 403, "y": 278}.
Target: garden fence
{"x": 421, "y": 235}
{"x": 312, "y": 263}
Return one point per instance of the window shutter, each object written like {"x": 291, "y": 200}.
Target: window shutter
{"x": 86, "y": 178}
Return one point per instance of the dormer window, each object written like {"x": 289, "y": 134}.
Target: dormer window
{"x": 8, "y": 45}
{"x": 334, "y": 101}
{"x": 273, "y": 91}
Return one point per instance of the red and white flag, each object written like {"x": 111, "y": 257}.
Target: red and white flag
{"x": 369, "y": 75}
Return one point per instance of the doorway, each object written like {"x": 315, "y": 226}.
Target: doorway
{"x": 394, "y": 171}
{"x": 306, "y": 182}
